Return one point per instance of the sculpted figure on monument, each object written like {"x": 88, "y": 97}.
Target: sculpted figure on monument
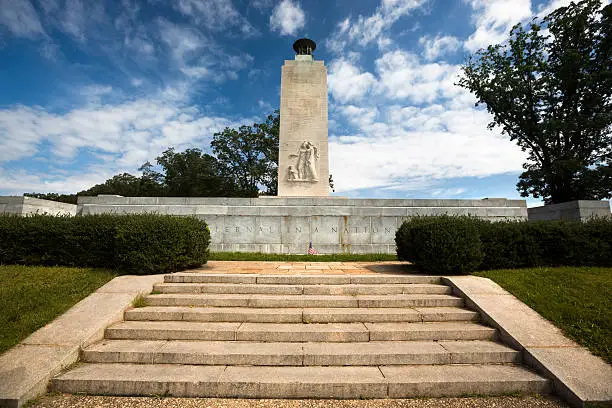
{"x": 292, "y": 173}
{"x": 307, "y": 165}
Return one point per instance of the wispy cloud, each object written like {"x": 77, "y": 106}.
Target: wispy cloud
{"x": 215, "y": 15}
{"x": 365, "y": 30}
{"x": 20, "y": 19}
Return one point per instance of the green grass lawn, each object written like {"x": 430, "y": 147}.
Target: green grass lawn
{"x": 32, "y": 296}
{"x": 256, "y": 256}
{"x": 576, "y": 299}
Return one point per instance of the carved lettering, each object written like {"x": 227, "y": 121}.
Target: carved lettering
{"x": 330, "y": 229}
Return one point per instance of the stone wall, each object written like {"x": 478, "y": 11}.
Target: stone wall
{"x": 28, "y": 205}
{"x": 572, "y": 210}
{"x": 288, "y": 224}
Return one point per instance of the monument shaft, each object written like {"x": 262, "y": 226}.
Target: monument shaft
{"x": 303, "y": 169}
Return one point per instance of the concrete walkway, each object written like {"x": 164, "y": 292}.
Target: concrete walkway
{"x": 78, "y": 401}
{"x": 301, "y": 268}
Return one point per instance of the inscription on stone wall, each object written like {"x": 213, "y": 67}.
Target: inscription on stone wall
{"x": 271, "y": 230}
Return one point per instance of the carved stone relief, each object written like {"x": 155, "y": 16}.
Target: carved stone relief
{"x": 307, "y": 163}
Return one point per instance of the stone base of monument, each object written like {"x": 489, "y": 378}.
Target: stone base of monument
{"x": 289, "y": 224}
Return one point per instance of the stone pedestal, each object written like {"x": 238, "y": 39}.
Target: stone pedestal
{"x": 303, "y": 159}
{"x": 288, "y": 224}
{"x": 580, "y": 210}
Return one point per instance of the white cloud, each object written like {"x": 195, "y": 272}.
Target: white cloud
{"x": 125, "y": 134}
{"x": 20, "y": 18}
{"x": 420, "y": 144}
{"x": 365, "y": 30}
{"x": 494, "y": 19}
{"x": 406, "y": 126}
{"x": 196, "y": 72}
{"x": 21, "y": 181}
{"x": 287, "y": 18}
{"x": 438, "y": 46}
{"x": 402, "y": 76}
{"x": 346, "y": 83}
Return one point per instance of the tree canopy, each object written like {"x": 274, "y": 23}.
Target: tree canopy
{"x": 249, "y": 156}
{"x": 549, "y": 88}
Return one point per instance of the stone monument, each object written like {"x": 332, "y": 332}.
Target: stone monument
{"x": 303, "y": 165}
{"x": 304, "y": 213}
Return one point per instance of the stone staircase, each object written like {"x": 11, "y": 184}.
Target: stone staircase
{"x": 300, "y": 336}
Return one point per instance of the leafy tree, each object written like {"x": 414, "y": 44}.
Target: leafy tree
{"x": 191, "y": 173}
{"x": 126, "y": 185}
{"x": 552, "y": 94}
{"x": 249, "y": 156}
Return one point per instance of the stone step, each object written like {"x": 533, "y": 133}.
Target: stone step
{"x": 350, "y": 289}
{"x": 298, "y": 332}
{"x": 298, "y": 382}
{"x": 299, "y": 354}
{"x": 302, "y": 301}
{"x": 183, "y": 277}
{"x": 378, "y": 289}
{"x": 298, "y": 315}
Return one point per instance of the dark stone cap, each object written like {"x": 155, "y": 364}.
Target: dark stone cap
{"x": 304, "y": 46}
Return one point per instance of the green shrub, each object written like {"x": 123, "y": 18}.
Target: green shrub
{"x": 504, "y": 245}
{"x": 444, "y": 244}
{"x": 159, "y": 244}
{"x": 136, "y": 244}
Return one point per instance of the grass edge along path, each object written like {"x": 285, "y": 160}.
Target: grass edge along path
{"x": 262, "y": 257}
{"x": 575, "y": 299}
{"x": 32, "y": 296}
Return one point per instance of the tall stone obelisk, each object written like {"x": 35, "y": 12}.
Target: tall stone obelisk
{"x": 303, "y": 164}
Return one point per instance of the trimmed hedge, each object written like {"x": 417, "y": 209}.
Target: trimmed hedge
{"x": 459, "y": 244}
{"x": 135, "y": 244}
{"x": 449, "y": 245}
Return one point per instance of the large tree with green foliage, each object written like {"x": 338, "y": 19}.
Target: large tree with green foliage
{"x": 191, "y": 173}
{"x": 126, "y": 185}
{"x": 249, "y": 156}
{"x": 549, "y": 88}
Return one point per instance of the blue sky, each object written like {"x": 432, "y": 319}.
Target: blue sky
{"x": 92, "y": 88}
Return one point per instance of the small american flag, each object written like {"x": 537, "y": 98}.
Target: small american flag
{"x": 311, "y": 250}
